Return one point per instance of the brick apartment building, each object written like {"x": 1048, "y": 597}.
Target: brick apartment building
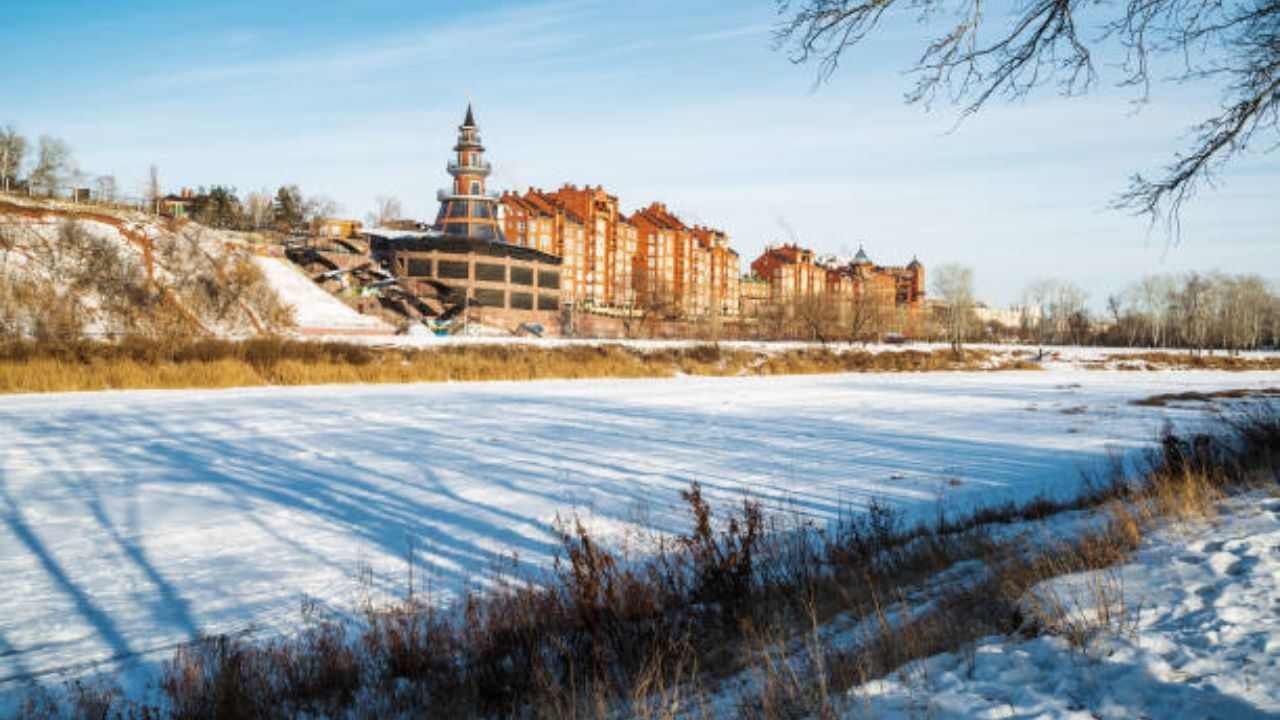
{"x": 464, "y": 266}
{"x": 575, "y": 247}
{"x": 614, "y": 261}
{"x": 793, "y": 272}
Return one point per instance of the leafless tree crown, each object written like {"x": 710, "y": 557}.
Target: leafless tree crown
{"x": 973, "y": 57}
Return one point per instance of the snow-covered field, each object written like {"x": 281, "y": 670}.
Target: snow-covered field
{"x": 1199, "y": 638}
{"x": 130, "y": 521}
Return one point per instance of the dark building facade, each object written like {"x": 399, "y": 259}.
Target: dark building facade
{"x": 464, "y": 263}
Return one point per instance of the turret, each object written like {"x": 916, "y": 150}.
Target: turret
{"x": 467, "y": 209}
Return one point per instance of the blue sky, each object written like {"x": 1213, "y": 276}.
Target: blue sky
{"x": 684, "y": 102}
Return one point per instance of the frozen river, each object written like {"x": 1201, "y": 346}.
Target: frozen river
{"x": 130, "y": 521}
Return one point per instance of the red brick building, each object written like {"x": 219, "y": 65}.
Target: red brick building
{"x": 796, "y": 272}
{"x": 613, "y": 261}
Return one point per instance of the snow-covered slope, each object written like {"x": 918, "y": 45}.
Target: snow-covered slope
{"x": 1202, "y": 640}
{"x": 130, "y": 521}
{"x": 315, "y": 311}
{"x": 109, "y": 272}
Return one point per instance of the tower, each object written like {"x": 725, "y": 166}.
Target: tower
{"x": 467, "y": 210}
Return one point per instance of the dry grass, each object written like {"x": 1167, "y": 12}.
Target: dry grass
{"x": 156, "y": 364}
{"x": 1164, "y": 360}
{"x": 1194, "y": 396}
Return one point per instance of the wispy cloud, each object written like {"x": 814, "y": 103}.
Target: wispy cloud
{"x": 512, "y": 32}
{"x": 760, "y": 29}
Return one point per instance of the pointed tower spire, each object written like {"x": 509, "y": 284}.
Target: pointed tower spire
{"x": 466, "y": 208}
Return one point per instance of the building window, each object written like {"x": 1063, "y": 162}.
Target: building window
{"x": 491, "y": 273}
{"x": 454, "y": 270}
{"x": 549, "y": 279}
{"x": 548, "y": 302}
{"x": 521, "y": 276}
{"x": 521, "y": 301}
{"x": 475, "y": 187}
{"x": 458, "y": 208}
{"x": 490, "y": 298}
{"x": 419, "y": 268}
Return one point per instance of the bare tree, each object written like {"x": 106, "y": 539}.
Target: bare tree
{"x": 816, "y": 317}
{"x": 655, "y": 303}
{"x": 54, "y": 165}
{"x": 871, "y": 312}
{"x": 385, "y": 209}
{"x": 953, "y": 285}
{"x": 1060, "y": 310}
{"x": 315, "y": 209}
{"x": 1233, "y": 43}
{"x": 108, "y": 189}
{"x": 153, "y": 189}
{"x": 13, "y": 149}
{"x": 257, "y": 209}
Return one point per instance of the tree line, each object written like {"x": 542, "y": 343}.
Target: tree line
{"x": 1195, "y": 311}
{"x": 48, "y": 162}
{"x": 48, "y": 166}
{"x": 284, "y": 211}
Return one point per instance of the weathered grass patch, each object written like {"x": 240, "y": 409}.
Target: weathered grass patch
{"x": 157, "y": 364}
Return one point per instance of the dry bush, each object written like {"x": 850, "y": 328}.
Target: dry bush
{"x": 313, "y": 674}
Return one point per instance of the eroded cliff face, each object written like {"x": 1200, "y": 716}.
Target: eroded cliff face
{"x": 68, "y": 272}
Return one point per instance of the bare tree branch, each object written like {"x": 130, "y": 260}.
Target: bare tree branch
{"x": 974, "y": 58}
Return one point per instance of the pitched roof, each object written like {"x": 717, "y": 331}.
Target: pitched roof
{"x": 470, "y": 120}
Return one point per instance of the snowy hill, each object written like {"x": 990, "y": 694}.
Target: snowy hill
{"x": 68, "y": 270}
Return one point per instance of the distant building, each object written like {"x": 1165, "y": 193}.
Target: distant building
{"x": 181, "y": 205}
{"x": 1011, "y": 318}
{"x": 463, "y": 264}
{"x": 575, "y": 249}
{"x": 753, "y": 294}
{"x": 790, "y": 271}
{"x": 794, "y": 272}
{"x": 615, "y": 261}
{"x": 338, "y": 228}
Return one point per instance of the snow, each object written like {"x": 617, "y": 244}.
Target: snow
{"x": 395, "y": 234}
{"x": 1204, "y": 640}
{"x": 314, "y": 308}
{"x": 130, "y": 521}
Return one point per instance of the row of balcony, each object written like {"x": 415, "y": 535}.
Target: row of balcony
{"x": 474, "y": 167}
{"x": 442, "y": 195}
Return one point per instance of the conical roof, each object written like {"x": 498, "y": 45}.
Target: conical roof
{"x": 470, "y": 120}
{"x": 861, "y": 257}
